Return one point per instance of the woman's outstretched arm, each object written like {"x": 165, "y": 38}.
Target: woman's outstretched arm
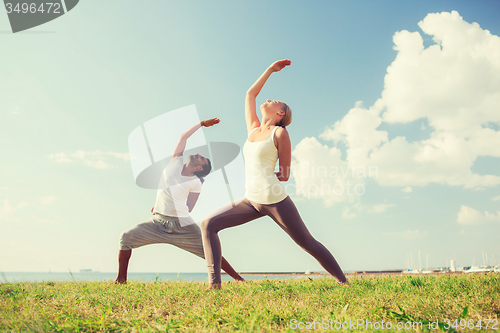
{"x": 250, "y": 109}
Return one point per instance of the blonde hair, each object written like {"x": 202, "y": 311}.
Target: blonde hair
{"x": 287, "y": 118}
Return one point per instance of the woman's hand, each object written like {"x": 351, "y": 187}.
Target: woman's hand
{"x": 210, "y": 122}
{"x": 280, "y": 64}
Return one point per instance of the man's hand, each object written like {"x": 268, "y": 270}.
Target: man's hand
{"x": 152, "y": 209}
{"x": 210, "y": 122}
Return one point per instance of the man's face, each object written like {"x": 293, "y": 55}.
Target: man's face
{"x": 198, "y": 160}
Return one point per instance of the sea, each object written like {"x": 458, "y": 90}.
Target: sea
{"x": 14, "y": 277}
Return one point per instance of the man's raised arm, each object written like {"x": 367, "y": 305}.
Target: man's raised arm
{"x": 181, "y": 145}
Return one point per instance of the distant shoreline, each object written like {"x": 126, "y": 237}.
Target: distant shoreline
{"x": 357, "y": 273}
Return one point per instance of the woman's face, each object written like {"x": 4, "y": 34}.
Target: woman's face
{"x": 272, "y": 107}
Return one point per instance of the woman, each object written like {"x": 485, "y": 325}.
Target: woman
{"x": 267, "y": 142}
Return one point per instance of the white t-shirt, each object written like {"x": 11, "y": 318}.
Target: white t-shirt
{"x": 174, "y": 190}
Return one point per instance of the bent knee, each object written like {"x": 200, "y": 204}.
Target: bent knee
{"x": 208, "y": 225}
{"x": 124, "y": 240}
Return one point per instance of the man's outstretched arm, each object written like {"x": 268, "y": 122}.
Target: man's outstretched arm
{"x": 181, "y": 145}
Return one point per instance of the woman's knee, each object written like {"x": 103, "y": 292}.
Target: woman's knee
{"x": 208, "y": 225}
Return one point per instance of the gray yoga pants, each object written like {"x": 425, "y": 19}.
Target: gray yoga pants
{"x": 163, "y": 229}
{"x": 284, "y": 213}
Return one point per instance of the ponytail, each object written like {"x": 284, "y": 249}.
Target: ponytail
{"x": 287, "y": 118}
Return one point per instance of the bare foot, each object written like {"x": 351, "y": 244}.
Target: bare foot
{"x": 214, "y": 286}
{"x": 120, "y": 281}
{"x": 240, "y": 280}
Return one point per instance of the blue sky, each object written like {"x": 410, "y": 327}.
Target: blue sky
{"x": 73, "y": 89}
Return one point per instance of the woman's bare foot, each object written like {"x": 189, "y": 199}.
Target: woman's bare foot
{"x": 346, "y": 283}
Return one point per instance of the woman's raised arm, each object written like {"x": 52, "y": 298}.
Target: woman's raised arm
{"x": 250, "y": 108}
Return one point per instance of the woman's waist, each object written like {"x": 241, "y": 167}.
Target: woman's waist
{"x": 264, "y": 180}
{"x": 265, "y": 194}
{"x": 260, "y": 171}
{"x": 261, "y": 184}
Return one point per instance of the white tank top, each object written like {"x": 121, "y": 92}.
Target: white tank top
{"x": 262, "y": 185}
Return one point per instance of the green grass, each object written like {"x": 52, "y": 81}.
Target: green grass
{"x": 264, "y": 305}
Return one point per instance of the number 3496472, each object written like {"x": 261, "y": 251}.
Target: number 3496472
{"x": 47, "y": 7}
{"x": 491, "y": 324}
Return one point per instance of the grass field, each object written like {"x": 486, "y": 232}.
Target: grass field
{"x": 256, "y": 306}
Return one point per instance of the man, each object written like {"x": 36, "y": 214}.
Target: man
{"x": 171, "y": 222}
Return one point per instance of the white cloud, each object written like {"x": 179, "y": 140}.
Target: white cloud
{"x": 80, "y": 154}
{"x": 95, "y": 159}
{"x": 496, "y": 198}
{"x": 407, "y": 189}
{"x": 40, "y": 220}
{"x": 98, "y": 164}
{"x": 380, "y": 208}
{"x": 7, "y": 209}
{"x": 22, "y": 204}
{"x": 319, "y": 172}
{"x": 47, "y": 201}
{"x": 471, "y": 216}
{"x": 4, "y": 188}
{"x": 346, "y": 213}
{"x": 60, "y": 158}
{"x": 454, "y": 84}
{"x": 408, "y": 234}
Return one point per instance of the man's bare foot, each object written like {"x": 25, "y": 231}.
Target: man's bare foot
{"x": 214, "y": 286}
{"x": 240, "y": 280}
{"x": 120, "y": 281}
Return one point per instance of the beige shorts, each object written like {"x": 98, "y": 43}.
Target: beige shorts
{"x": 164, "y": 229}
